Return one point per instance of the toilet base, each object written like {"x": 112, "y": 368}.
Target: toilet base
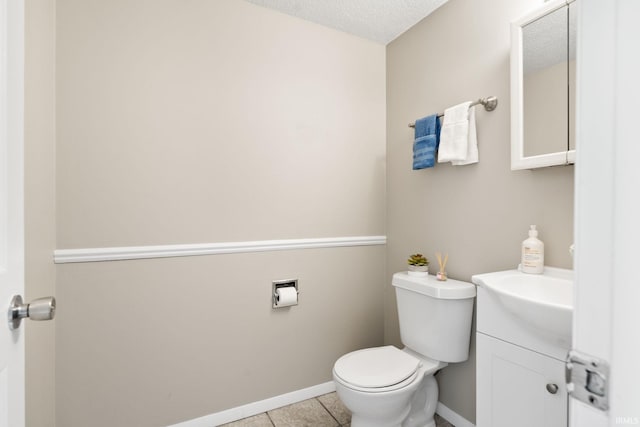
{"x": 423, "y": 404}
{"x": 418, "y": 412}
{"x": 388, "y": 409}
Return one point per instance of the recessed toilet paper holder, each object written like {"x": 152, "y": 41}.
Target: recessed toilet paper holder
{"x": 277, "y": 284}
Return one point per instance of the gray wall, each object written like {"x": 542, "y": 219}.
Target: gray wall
{"x": 191, "y": 122}
{"x": 479, "y": 214}
{"x": 39, "y": 206}
{"x": 205, "y": 121}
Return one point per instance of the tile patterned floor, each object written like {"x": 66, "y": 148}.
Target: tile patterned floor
{"x": 323, "y": 411}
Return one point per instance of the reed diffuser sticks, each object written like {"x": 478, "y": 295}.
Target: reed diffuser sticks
{"x": 442, "y": 273}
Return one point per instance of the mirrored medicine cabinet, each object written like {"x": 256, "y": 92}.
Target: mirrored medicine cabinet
{"x": 543, "y": 69}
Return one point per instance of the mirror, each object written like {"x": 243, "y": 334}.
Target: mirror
{"x": 543, "y": 87}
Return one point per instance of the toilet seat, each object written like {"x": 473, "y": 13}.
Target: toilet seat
{"x": 377, "y": 370}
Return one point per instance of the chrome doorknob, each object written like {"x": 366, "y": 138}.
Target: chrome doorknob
{"x": 552, "y": 388}
{"x": 39, "y": 309}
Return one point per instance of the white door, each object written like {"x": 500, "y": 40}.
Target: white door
{"x": 607, "y": 226}
{"x": 11, "y": 209}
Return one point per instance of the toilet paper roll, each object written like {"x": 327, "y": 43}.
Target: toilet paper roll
{"x": 286, "y": 296}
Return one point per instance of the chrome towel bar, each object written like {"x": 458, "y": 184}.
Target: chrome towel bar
{"x": 490, "y": 103}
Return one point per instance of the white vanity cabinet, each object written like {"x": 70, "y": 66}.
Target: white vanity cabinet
{"x": 518, "y": 387}
{"x": 520, "y": 377}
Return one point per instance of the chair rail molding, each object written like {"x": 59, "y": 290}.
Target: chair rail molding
{"x": 64, "y": 256}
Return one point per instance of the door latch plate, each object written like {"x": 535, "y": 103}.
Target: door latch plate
{"x": 588, "y": 379}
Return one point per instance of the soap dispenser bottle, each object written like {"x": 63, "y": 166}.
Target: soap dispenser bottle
{"x": 532, "y": 253}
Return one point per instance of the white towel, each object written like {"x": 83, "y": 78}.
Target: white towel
{"x": 472, "y": 142}
{"x": 458, "y": 142}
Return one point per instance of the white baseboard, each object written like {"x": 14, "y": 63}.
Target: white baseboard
{"x": 453, "y": 417}
{"x": 255, "y": 408}
{"x": 259, "y": 407}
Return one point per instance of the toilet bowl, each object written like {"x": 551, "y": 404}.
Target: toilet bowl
{"x": 378, "y": 386}
{"x": 389, "y": 387}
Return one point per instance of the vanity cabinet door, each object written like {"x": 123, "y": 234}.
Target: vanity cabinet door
{"x": 518, "y": 387}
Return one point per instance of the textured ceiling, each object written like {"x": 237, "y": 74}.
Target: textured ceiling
{"x": 377, "y": 20}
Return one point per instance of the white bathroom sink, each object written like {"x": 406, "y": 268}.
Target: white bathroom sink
{"x": 543, "y": 302}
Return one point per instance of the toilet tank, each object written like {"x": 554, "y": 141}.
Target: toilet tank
{"x": 435, "y": 316}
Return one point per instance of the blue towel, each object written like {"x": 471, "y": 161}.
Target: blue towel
{"x": 427, "y": 139}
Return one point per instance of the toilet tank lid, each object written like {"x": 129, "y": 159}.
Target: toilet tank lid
{"x": 448, "y": 289}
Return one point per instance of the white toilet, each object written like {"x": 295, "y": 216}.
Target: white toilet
{"x": 388, "y": 387}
